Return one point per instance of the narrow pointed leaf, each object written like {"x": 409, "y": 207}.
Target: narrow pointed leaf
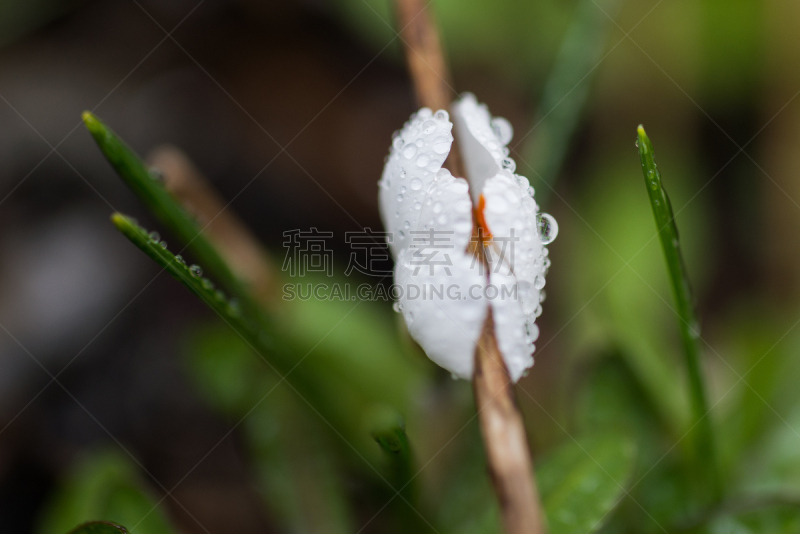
{"x": 689, "y": 327}
{"x": 138, "y": 177}
{"x": 343, "y": 408}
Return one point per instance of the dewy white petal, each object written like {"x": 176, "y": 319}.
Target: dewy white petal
{"x": 444, "y": 308}
{"x": 416, "y": 156}
{"x": 420, "y": 201}
{"x": 516, "y": 251}
{"x": 483, "y": 147}
{"x": 517, "y": 262}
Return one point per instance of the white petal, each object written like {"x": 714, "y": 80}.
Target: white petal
{"x": 514, "y": 332}
{"x": 444, "y": 308}
{"x": 416, "y": 155}
{"x": 446, "y": 214}
{"x": 482, "y": 141}
{"x": 518, "y": 258}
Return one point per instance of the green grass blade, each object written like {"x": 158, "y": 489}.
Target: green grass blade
{"x": 100, "y": 527}
{"x": 190, "y": 276}
{"x": 137, "y": 176}
{"x": 321, "y": 386}
{"x": 689, "y": 327}
{"x": 566, "y": 91}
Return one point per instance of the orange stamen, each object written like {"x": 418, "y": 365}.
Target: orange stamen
{"x": 486, "y": 234}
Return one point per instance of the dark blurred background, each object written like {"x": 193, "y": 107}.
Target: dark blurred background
{"x": 234, "y": 82}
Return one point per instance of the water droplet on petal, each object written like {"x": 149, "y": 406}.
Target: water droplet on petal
{"x": 548, "y": 228}
{"x": 442, "y": 115}
{"x": 409, "y": 151}
{"x": 437, "y": 207}
{"x": 417, "y": 205}
{"x": 416, "y": 184}
{"x": 428, "y": 127}
{"x": 502, "y": 129}
{"x": 399, "y": 198}
{"x": 406, "y": 225}
{"x": 538, "y": 282}
{"x": 196, "y": 270}
{"x": 509, "y": 164}
{"x": 398, "y": 142}
{"x": 423, "y": 160}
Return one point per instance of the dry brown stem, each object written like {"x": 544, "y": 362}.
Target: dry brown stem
{"x": 502, "y": 425}
{"x": 504, "y": 436}
{"x": 233, "y": 240}
{"x": 426, "y": 63}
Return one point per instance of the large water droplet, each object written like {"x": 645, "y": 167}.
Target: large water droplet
{"x": 397, "y": 307}
{"x": 442, "y": 115}
{"x": 538, "y": 282}
{"x": 154, "y": 236}
{"x": 428, "y": 127}
{"x": 416, "y": 184}
{"x": 502, "y": 129}
{"x": 196, "y": 270}
{"x": 409, "y": 151}
{"x": 423, "y": 160}
{"x": 509, "y": 164}
{"x": 548, "y": 228}
{"x": 398, "y": 142}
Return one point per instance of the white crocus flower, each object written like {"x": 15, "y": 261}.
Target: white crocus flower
{"x": 444, "y": 289}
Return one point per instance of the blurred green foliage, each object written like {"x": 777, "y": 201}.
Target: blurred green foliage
{"x": 104, "y": 487}
{"x": 326, "y": 445}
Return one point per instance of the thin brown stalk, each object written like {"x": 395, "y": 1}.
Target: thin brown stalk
{"x": 231, "y": 237}
{"x": 502, "y": 426}
{"x": 503, "y": 429}
{"x": 426, "y": 63}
